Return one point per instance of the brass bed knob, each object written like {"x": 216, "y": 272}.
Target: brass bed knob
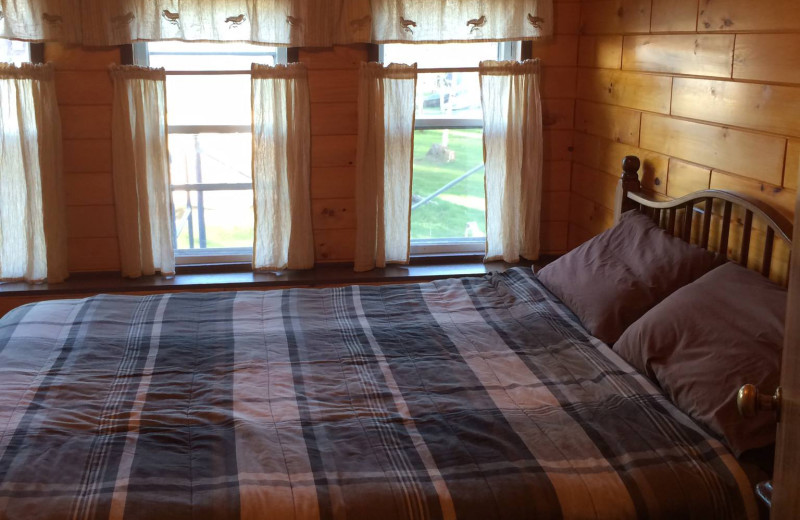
{"x": 750, "y": 401}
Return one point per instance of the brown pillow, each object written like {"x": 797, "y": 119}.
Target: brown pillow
{"x": 705, "y": 341}
{"x": 614, "y": 278}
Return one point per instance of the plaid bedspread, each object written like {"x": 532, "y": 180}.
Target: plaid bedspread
{"x": 474, "y": 398}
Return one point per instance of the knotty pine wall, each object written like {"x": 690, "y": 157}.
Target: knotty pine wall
{"x": 706, "y": 92}
{"x": 559, "y": 58}
{"x": 85, "y": 95}
{"x": 84, "y": 92}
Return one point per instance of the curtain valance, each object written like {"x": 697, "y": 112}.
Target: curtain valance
{"x": 431, "y": 21}
{"x": 306, "y": 23}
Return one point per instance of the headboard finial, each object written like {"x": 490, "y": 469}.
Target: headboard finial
{"x": 627, "y": 183}
{"x": 630, "y": 173}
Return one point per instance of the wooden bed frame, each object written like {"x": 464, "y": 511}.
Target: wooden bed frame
{"x": 730, "y": 207}
{"x": 733, "y": 210}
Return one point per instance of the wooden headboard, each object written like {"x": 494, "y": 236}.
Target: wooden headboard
{"x": 735, "y": 227}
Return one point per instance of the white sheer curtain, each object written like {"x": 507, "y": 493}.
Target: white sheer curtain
{"x": 141, "y": 171}
{"x": 463, "y": 21}
{"x": 310, "y": 23}
{"x": 384, "y": 161}
{"x": 512, "y": 139}
{"x": 282, "y": 168}
{"x": 33, "y": 236}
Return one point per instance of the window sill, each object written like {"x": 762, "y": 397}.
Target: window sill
{"x": 240, "y": 277}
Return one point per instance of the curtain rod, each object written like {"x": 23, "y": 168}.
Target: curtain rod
{"x": 231, "y": 72}
{"x": 205, "y": 72}
{"x": 448, "y": 69}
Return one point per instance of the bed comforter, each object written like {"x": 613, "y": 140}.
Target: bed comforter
{"x": 467, "y": 398}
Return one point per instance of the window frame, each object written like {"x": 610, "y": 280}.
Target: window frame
{"x": 140, "y": 55}
{"x": 508, "y": 50}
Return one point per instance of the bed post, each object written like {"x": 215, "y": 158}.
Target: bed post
{"x": 628, "y": 182}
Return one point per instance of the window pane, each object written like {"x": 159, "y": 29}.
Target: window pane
{"x": 209, "y": 56}
{"x": 440, "y": 55}
{"x": 14, "y": 52}
{"x": 452, "y": 95}
{"x": 217, "y": 214}
{"x": 208, "y": 100}
{"x": 213, "y": 219}
{"x": 442, "y": 157}
{"x": 210, "y": 158}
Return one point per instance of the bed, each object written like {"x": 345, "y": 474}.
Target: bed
{"x": 462, "y": 398}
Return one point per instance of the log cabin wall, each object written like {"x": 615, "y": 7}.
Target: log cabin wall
{"x": 706, "y": 92}
{"x": 333, "y": 88}
{"x": 559, "y": 59}
{"x": 84, "y": 94}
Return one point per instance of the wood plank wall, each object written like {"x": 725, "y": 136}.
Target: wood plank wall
{"x": 559, "y": 72}
{"x": 333, "y": 85}
{"x": 84, "y": 92}
{"x": 707, "y": 92}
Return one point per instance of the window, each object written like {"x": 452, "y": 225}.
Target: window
{"x": 448, "y": 207}
{"x": 15, "y": 52}
{"x": 208, "y": 117}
